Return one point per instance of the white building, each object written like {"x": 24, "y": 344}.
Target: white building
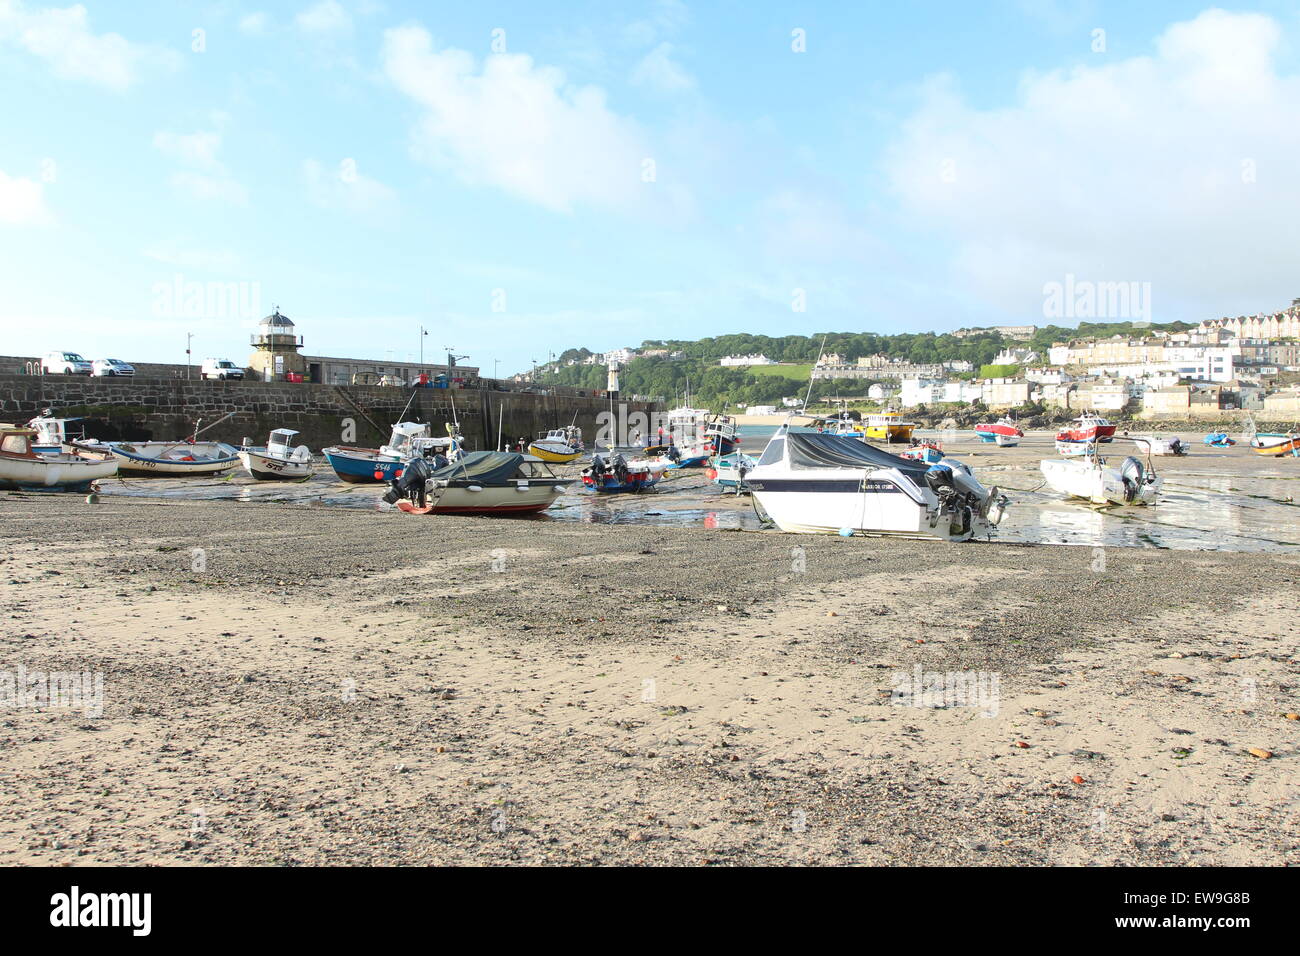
{"x": 744, "y": 360}
{"x": 619, "y": 356}
{"x": 920, "y": 391}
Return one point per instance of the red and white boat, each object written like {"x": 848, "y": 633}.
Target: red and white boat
{"x": 1088, "y": 427}
{"x": 1004, "y": 432}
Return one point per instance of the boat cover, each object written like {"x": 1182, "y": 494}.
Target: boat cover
{"x": 809, "y": 450}
{"x": 484, "y": 467}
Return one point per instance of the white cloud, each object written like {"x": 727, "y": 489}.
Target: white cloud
{"x": 657, "y": 70}
{"x": 254, "y": 24}
{"x": 328, "y": 16}
{"x": 207, "y": 178}
{"x": 194, "y": 149}
{"x": 516, "y": 125}
{"x": 22, "y": 202}
{"x": 345, "y": 188}
{"x": 63, "y": 38}
{"x": 178, "y": 252}
{"x": 667, "y": 17}
{"x": 1130, "y": 170}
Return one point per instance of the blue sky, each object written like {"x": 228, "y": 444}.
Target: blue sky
{"x": 520, "y": 178}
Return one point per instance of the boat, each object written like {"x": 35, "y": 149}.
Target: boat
{"x": 52, "y": 433}
{"x": 923, "y": 449}
{"x": 729, "y": 471}
{"x": 1156, "y": 445}
{"x": 559, "y": 445}
{"x": 479, "y": 483}
{"x": 23, "y": 467}
{"x": 1004, "y": 432}
{"x": 688, "y": 430}
{"x": 158, "y": 458}
{"x": 1276, "y": 444}
{"x": 843, "y": 425}
{"x": 1219, "y": 440}
{"x": 618, "y": 473}
{"x": 1071, "y": 449}
{"x": 408, "y": 440}
{"x": 1088, "y": 427}
{"x": 278, "y": 460}
{"x": 1091, "y": 479}
{"x": 829, "y": 484}
{"x": 888, "y": 427}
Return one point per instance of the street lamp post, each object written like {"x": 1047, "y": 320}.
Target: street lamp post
{"x": 423, "y": 333}
{"x": 189, "y": 337}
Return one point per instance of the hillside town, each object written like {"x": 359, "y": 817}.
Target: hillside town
{"x": 1225, "y": 365}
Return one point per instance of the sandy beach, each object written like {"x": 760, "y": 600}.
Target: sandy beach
{"x": 325, "y": 685}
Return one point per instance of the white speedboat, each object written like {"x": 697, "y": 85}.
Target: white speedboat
{"x": 21, "y": 467}
{"x": 51, "y": 433}
{"x": 480, "y": 483}
{"x": 1158, "y": 445}
{"x": 279, "y": 460}
{"x": 815, "y": 484}
{"x": 1091, "y": 479}
{"x": 1071, "y": 449}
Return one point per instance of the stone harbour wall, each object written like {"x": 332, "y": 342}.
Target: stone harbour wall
{"x": 159, "y": 408}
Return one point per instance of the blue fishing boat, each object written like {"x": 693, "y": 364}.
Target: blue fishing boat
{"x": 376, "y": 465}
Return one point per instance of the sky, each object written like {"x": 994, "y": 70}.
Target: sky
{"x": 521, "y": 178}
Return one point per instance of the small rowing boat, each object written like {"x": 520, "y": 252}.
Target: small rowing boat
{"x": 1093, "y": 480}
{"x": 174, "y": 458}
{"x": 729, "y": 471}
{"x": 1156, "y": 445}
{"x": 1219, "y": 440}
{"x": 559, "y": 445}
{"x": 1276, "y": 444}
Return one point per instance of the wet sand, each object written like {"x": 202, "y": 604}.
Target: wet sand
{"x": 341, "y": 685}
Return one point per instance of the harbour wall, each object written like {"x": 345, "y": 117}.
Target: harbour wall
{"x": 167, "y": 408}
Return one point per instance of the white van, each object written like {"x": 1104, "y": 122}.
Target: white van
{"x": 64, "y": 363}
{"x": 220, "y": 369}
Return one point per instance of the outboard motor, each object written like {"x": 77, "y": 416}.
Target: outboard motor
{"x": 411, "y": 485}
{"x": 1133, "y": 474}
{"x": 619, "y": 467}
{"x": 674, "y": 454}
{"x": 939, "y": 478}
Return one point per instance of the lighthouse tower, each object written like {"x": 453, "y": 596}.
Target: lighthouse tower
{"x": 276, "y": 349}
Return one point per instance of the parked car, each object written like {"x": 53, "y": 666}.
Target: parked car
{"x": 220, "y": 369}
{"x": 106, "y": 367}
{"x": 65, "y": 363}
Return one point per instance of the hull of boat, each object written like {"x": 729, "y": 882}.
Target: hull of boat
{"x": 160, "y": 459}
{"x": 871, "y": 508}
{"x": 991, "y": 433}
{"x": 890, "y": 433}
{"x": 1071, "y": 448}
{"x": 265, "y": 468}
{"x": 1100, "y": 486}
{"x": 362, "y": 466}
{"x": 68, "y": 475}
{"x": 1088, "y": 433}
{"x": 1276, "y": 446}
{"x": 610, "y": 485}
{"x": 1006, "y": 441}
{"x": 509, "y": 500}
{"x": 1160, "y": 446}
{"x": 553, "y": 454}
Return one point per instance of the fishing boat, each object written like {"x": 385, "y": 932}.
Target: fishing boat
{"x": 479, "y": 483}
{"x": 52, "y": 433}
{"x": 1219, "y": 440}
{"x": 1157, "y": 445}
{"x": 722, "y": 435}
{"x": 1088, "y": 427}
{"x": 1004, "y": 432}
{"x": 559, "y": 445}
{"x": 172, "y": 458}
{"x": 923, "y": 449}
{"x": 688, "y": 430}
{"x": 729, "y": 471}
{"x": 278, "y": 460}
{"x": 408, "y": 440}
{"x": 816, "y": 483}
{"x": 1276, "y": 444}
{"x": 22, "y": 467}
{"x": 888, "y": 427}
{"x": 617, "y": 473}
{"x": 844, "y": 425}
{"x": 1091, "y": 479}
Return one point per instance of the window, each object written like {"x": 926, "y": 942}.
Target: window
{"x": 774, "y": 452}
